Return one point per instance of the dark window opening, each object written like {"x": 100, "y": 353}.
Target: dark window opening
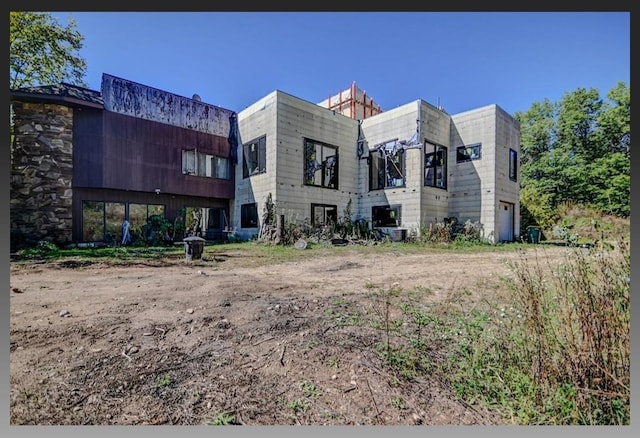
{"x": 322, "y": 214}
{"x": 216, "y": 224}
{"x": 513, "y": 165}
{"x": 249, "y": 215}
{"x": 385, "y": 216}
{"x": 320, "y": 164}
{"x": 254, "y": 157}
{"x": 435, "y": 166}
{"x": 387, "y": 166}
{"x": 468, "y": 153}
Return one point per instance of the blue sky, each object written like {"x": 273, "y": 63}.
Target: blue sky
{"x": 461, "y": 60}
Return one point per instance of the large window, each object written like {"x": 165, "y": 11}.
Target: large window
{"x": 320, "y": 164}
{"x": 139, "y": 213}
{"x": 201, "y": 164}
{"x": 102, "y": 221}
{"x": 323, "y": 214}
{"x": 513, "y": 165}
{"x": 386, "y": 166}
{"x": 249, "y": 215}
{"x": 93, "y": 221}
{"x": 385, "y": 216}
{"x": 216, "y": 223}
{"x": 254, "y": 157}
{"x": 435, "y": 165}
{"x": 468, "y": 153}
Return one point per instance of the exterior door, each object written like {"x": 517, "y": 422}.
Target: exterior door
{"x": 506, "y": 222}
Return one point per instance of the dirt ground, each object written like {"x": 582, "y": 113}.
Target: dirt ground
{"x": 230, "y": 339}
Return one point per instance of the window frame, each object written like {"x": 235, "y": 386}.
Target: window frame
{"x": 246, "y": 215}
{"x": 215, "y": 160}
{"x": 327, "y": 181}
{"x": 463, "y": 155}
{"x": 439, "y": 151}
{"x": 513, "y": 164}
{"x": 114, "y": 228}
{"x": 380, "y": 167}
{"x": 326, "y": 208}
{"x": 203, "y": 164}
{"x": 260, "y": 159}
{"x": 189, "y": 168}
{"x": 396, "y": 208}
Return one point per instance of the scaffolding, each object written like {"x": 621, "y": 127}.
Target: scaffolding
{"x": 353, "y": 103}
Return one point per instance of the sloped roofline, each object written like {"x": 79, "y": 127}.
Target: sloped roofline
{"x": 63, "y": 93}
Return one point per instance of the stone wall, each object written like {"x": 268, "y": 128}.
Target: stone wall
{"x": 41, "y": 173}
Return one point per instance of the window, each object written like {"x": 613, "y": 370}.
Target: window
{"x": 215, "y": 224}
{"x": 513, "y": 165}
{"x": 92, "y": 221}
{"x": 386, "y": 166}
{"x": 217, "y": 219}
{"x": 102, "y": 221}
{"x": 194, "y": 220}
{"x": 468, "y": 153}
{"x": 320, "y": 164}
{"x": 139, "y": 213}
{"x": 435, "y": 166}
{"x": 201, "y": 164}
{"x": 254, "y": 157}
{"x": 385, "y": 216}
{"x": 249, "y": 215}
{"x": 220, "y": 167}
{"x": 189, "y": 162}
{"x": 322, "y": 214}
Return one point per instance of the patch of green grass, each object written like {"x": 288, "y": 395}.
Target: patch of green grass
{"x": 222, "y": 420}
{"x": 398, "y": 403}
{"x": 298, "y": 405}
{"x": 164, "y": 381}
{"x": 309, "y": 389}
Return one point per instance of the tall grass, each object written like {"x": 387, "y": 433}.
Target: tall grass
{"x": 559, "y": 353}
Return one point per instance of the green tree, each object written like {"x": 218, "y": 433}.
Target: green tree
{"x": 615, "y": 120}
{"x": 578, "y": 113}
{"x": 43, "y": 52}
{"x": 576, "y": 150}
{"x": 538, "y": 132}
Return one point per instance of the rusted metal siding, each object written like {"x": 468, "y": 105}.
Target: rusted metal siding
{"x": 87, "y": 148}
{"x": 115, "y": 151}
{"x": 137, "y": 100}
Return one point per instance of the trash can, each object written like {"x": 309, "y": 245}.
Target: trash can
{"x": 533, "y": 234}
{"x": 193, "y": 247}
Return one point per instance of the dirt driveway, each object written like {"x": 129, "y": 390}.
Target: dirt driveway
{"x": 231, "y": 339}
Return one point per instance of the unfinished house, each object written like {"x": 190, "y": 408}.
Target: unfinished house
{"x": 83, "y": 161}
{"x": 399, "y": 170}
